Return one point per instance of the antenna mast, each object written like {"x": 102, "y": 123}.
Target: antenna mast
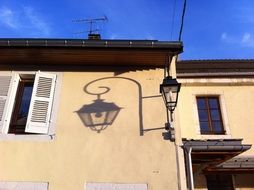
{"x": 91, "y": 22}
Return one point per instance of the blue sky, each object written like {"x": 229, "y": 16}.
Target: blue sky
{"x": 217, "y": 29}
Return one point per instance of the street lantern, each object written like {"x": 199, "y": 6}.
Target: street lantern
{"x": 170, "y": 89}
{"x": 98, "y": 115}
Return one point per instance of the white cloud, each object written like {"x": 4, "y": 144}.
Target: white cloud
{"x": 37, "y": 23}
{"x": 150, "y": 36}
{"x": 224, "y": 36}
{"x": 244, "y": 40}
{"x": 113, "y": 36}
{"x": 25, "y": 22}
{"x": 246, "y": 37}
{"x": 7, "y": 17}
{"x": 247, "y": 40}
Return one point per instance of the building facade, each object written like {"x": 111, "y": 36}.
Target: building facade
{"x": 84, "y": 114}
{"x": 215, "y": 114}
{"x": 88, "y": 114}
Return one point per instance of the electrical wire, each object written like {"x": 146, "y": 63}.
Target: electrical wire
{"x": 182, "y": 21}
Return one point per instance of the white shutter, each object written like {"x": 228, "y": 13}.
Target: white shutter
{"x": 8, "y": 89}
{"x": 41, "y": 103}
{"x": 5, "y": 82}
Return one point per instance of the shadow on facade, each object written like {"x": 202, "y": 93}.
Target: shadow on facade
{"x": 101, "y": 114}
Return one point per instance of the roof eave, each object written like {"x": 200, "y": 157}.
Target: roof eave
{"x": 118, "y": 53}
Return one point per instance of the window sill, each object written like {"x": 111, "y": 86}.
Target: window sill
{"x": 215, "y": 136}
{"x": 11, "y": 137}
{"x": 213, "y": 133}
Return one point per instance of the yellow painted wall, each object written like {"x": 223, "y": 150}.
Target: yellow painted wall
{"x": 119, "y": 154}
{"x": 237, "y": 104}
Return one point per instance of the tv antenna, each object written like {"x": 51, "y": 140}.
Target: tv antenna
{"x": 91, "y": 23}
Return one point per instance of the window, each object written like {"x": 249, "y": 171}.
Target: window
{"x": 23, "y": 185}
{"x": 115, "y": 186}
{"x": 26, "y": 102}
{"x": 21, "y": 106}
{"x": 209, "y": 113}
{"x": 219, "y": 182}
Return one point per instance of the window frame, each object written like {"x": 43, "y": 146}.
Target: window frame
{"x": 4, "y": 134}
{"x": 209, "y": 115}
{"x": 17, "y": 104}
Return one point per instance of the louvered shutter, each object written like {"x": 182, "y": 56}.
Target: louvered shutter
{"x": 5, "y": 82}
{"x": 8, "y": 89}
{"x": 41, "y": 103}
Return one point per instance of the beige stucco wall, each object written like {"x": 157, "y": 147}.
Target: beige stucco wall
{"x": 236, "y": 101}
{"x": 119, "y": 154}
{"x": 237, "y": 106}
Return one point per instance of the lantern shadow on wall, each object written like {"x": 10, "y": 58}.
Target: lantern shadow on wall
{"x": 99, "y": 114}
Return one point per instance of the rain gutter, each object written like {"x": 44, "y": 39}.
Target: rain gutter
{"x": 173, "y": 46}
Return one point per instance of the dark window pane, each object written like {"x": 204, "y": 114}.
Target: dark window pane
{"x": 201, "y": 103}
{"x": 204, "y": 127}
{"x": 203, "y": 116}
{"x": 25, "y": 101}
{"x": 215, "y": 115}
{"x": 213, "y": 103}
{"x": 21, "y": 107}
{"x": 217, "y": 127}
{"x": 219, "y": 182}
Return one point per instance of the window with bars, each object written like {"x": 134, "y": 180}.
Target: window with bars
{"x": 209, "y": 113}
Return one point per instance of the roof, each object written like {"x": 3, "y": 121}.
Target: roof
{"x": 216, "y": 145}
{"x": 239, "y": 164}
{"x": 215, "y": 67}
{"x": 207, "y": 154}
{"x": 217, "y": 60}
{"x": 87, "y": 43}
{"x": 87, "y": 52}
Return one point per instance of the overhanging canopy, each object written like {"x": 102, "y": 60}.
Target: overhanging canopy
{"x": 239, "y": 164}
{"x": 207, "y": 154}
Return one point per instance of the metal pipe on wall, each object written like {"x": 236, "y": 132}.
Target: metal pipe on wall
{"x": 188, "y": 151}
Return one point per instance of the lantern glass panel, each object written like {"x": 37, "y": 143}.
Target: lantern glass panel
{"x": 99, "y": 113}
{"x": 86, "y": 118}
{"x": 172, "y": 89}
{"x": 111, "y": 116}
{"x": 171, "y": 99}
{"x": 99, "y": 118}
